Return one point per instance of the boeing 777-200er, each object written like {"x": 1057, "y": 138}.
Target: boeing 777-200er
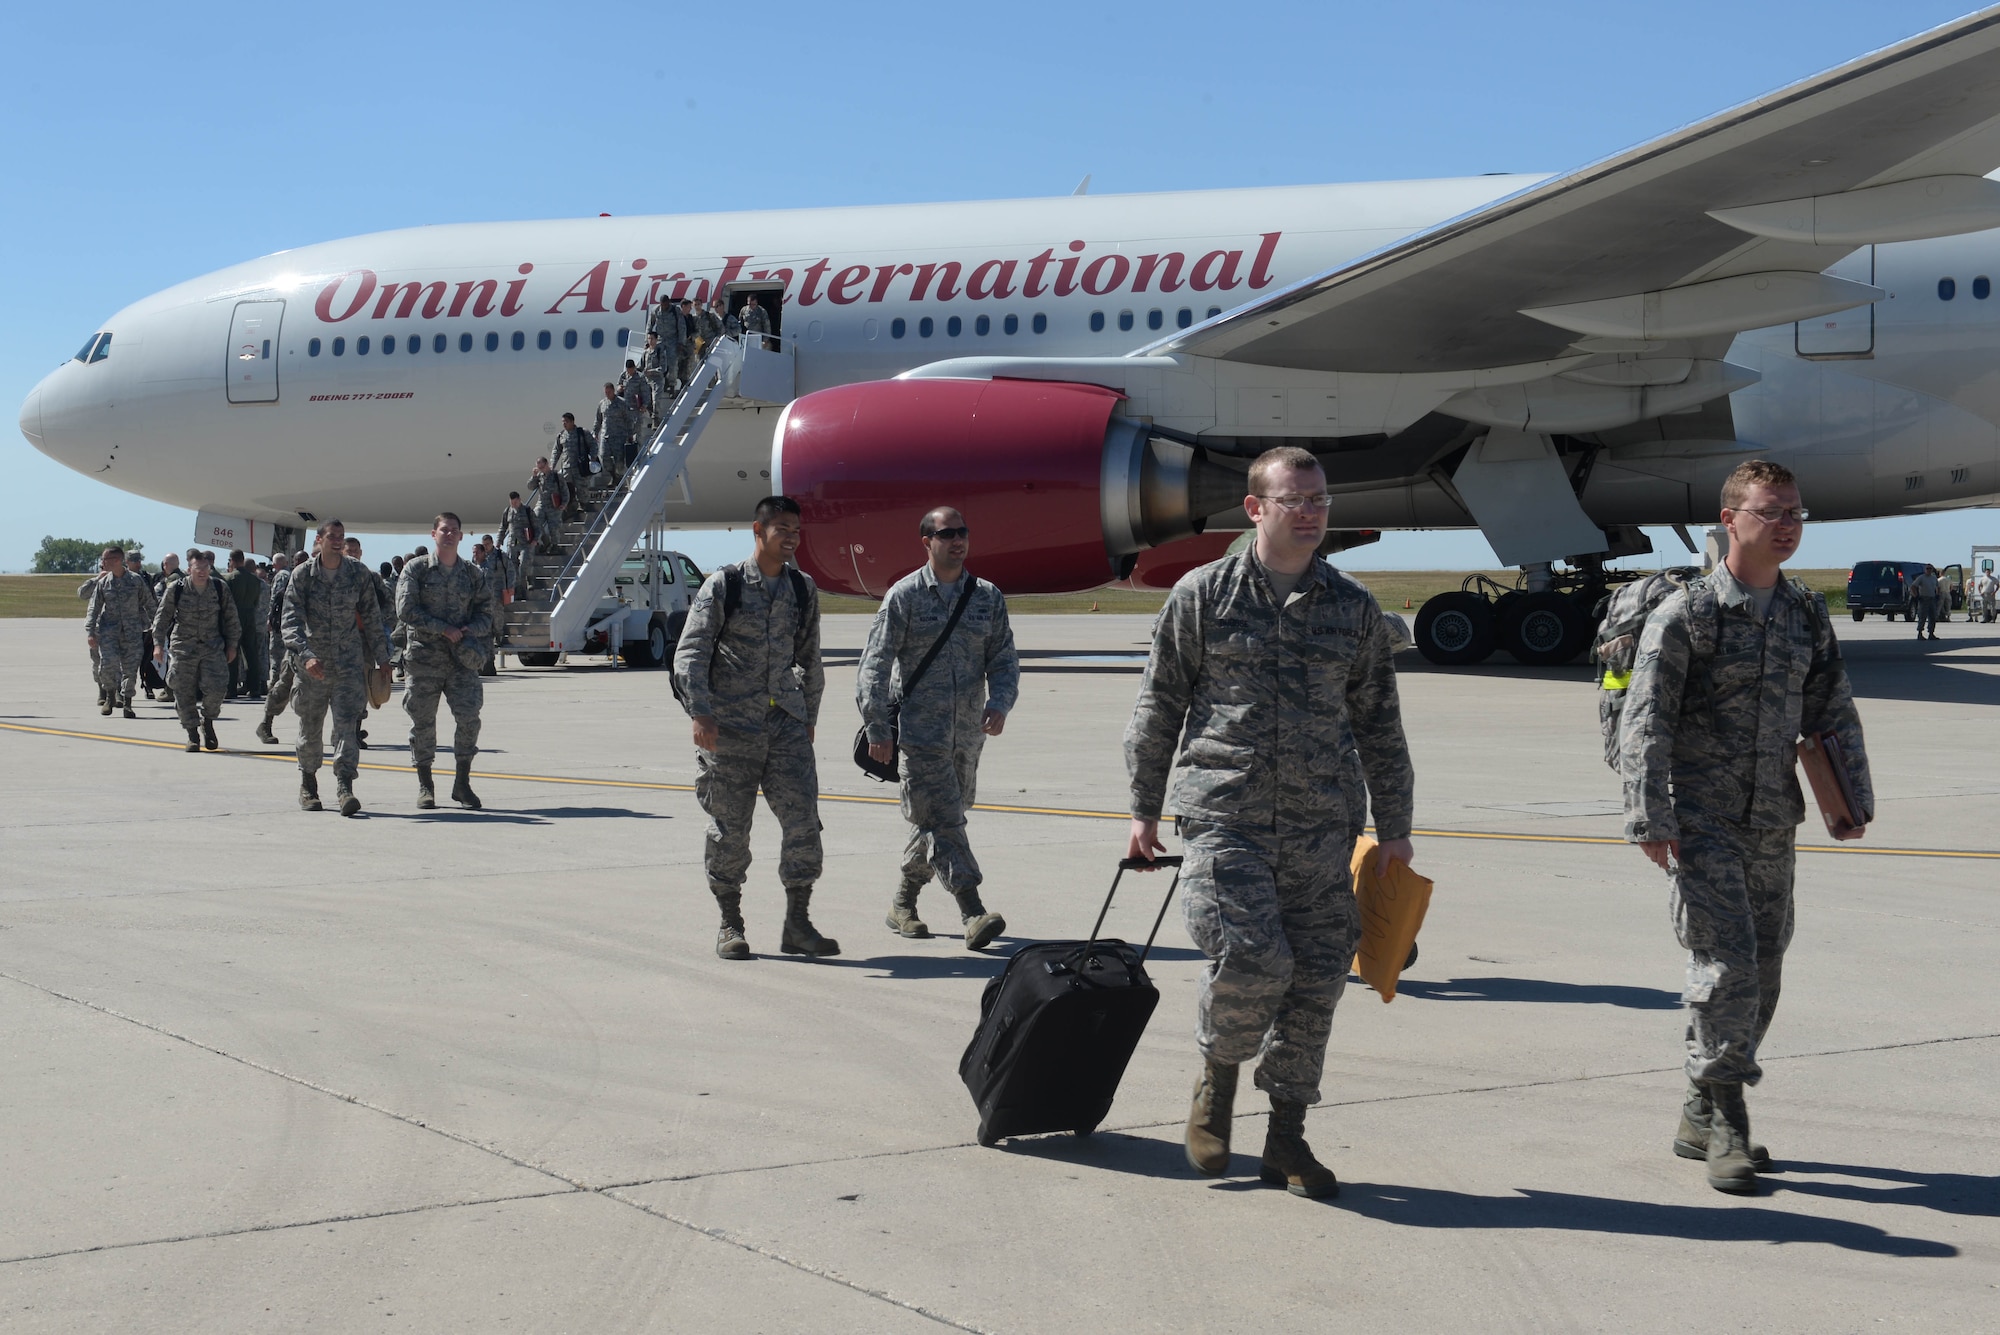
{"x": 1556, "y": 360}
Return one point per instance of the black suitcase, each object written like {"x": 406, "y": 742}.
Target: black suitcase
{"x": 1057, "y": 1027}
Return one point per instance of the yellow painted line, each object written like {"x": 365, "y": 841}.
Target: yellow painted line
{"x": 1493, "y": 836}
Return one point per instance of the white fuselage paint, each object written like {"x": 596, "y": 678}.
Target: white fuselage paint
{"x": 384, "y": 441}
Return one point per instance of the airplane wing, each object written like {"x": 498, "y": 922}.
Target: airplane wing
{"x": 1720, "y": 226}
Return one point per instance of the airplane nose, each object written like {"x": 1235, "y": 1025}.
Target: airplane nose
{"x": 31, "y": 417}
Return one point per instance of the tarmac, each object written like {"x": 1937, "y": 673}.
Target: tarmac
{"x": 440, "y": 1071}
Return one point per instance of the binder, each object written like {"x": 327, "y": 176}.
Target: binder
{"x": 1392, "y": 913}
{"x": 1826, "y": 770}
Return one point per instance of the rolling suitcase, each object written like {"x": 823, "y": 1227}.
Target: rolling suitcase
{"x": 1057, "y": 1027}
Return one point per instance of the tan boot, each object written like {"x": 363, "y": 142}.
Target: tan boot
{"x": 903, "y": 919}
{"x": 799, "y": 936}
{"x": 1691, "y": 1139}
{"x": 309, "y": 792}
{"x": 981, "y": 928}
{"x": 427, "y": 798}
{"x": 1729, "y": 1166}
{"x": 1288, "y": 1160}
{"x": 344, "y": 790}
{"x": 1210, "y": 1117}
{"x": 730, "y": 943}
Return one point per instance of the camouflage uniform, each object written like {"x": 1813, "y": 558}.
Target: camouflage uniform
{"x": 541, "y": 500}
{"x": 121, "y": 611}
{"x": 515, "y": 522}
{"x": 1709, "y": 750}
{"x": 1273, "y": 700}
{"x": 938, "y": 728}
{"x": 246, "y": 589}
{"x": 758, "y": 675}
{"x": 695, "y": 342}
{"x": 275, "y": 640}
{"x": 333, "y": 616}
{"x": 431, "y": 599}
{"x": 200, "y": 627}
{"x": 572, "y": 461}
{"x": 614, "y": 430}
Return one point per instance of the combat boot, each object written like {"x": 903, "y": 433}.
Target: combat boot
{"x": 427, "y": 798}
{"x": 1729, "y": 1165}
{"x": 125, "y": 702}
{"x": 194, "y": 740}
{"x": 800, "y": 937}
{"x": 1288, "y": 1160}
{"x": 344, "y": 791}
{"x": 903, "y": 919}
{"x": 264, "y": 733}
{"x": 166, "y": 695}
{"x": 981, "y": 927}
{"x": 1210, "y": 1117}
{"x": 208, "y": 741}
{"x": 730, "y": 943}
{"x": 461, "y": 788}
{"x": 103, "y": 702}
{"x": 1691, "y": 1140}
{"x": 308, "y": 792}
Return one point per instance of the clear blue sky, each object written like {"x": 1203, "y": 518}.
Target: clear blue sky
{"x": 148, "y": 144}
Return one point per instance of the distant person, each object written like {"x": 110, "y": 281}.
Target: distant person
{"x": 573, "y": 448}
{"x": 198, "y": 618}
{"x": 941, "y": 723}
{"x": 385, "y": 603}
{"x": 1729, "y": 674}
{"x": 614, "y": 430}
{"x": 245, "y": 588}
{"x": 121, "y": 609}
{"x": 748, "y": 671}
{"x": 150, "y": 679}
{"x": 333, "y": 628}
{"x": 545, "y": 499}
{"x": 756, "y": 320}
{"x": 1266, "y": 668}
{"x": 1924, "y": 591}
{"x": 695, "y": 340}
{"x": 445, "y": 611}
{"x": 517, "y": 539}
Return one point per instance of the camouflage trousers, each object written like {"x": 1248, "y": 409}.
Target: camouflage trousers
{"x": 1275, "y": 914}
{"x": 275, "y": 659}
{"x": 780, "y": 761}
{"x": 938, "y": 786}
{"x": 281, "y": 686}
{"x": 345, "y": 695}
{"x": 1732, "y": 909}
{"x": 464, "y": 692}
{"x": 118, "y": 656}
{"x": 199, "y": 677}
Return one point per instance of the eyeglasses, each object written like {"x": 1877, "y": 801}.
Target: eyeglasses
{"x": 1794, "y": 514}
{"x": 952, "y": 534}
{"x": 1291, "y": 505}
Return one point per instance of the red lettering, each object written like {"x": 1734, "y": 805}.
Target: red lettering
{"x": 1260, "y": 272}
{"x": 1170, "y": 278}
{"x": 947, "y": 283}
{"x": 815, "y": 272}
{"x": 1066, "y": 272}
{"x": 362, "y": 291}
{"x": 782, "y": 276}
{"x": 995, "y": 278}
{"x": 628, "y": 288}
{"x": 1094, "y": 281}
{"x": 1205, "y": 279}
{"x": 511, "y": 305}
{"x": 590, "y": 287}
{"x": 1036, "y": 268}
{"x": 885, "y": 276}
{"x": 409, "y": 292}
{"x": 678, "y": 293}
{"x": 487, "y": 288}
{"x": 851, "y": 277}
{"x": 732, "y": 269}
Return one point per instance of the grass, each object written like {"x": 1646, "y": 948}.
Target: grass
{"x": 41, "y": 596}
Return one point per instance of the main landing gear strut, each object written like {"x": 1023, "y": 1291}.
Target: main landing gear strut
{"x": 1545, "y": 620}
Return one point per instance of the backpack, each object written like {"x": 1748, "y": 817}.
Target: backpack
{"x": 732, "y": 598}
{"x": 1625, "y": 611}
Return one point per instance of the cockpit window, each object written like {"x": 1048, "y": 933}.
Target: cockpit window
{"x": 95, "y": 348}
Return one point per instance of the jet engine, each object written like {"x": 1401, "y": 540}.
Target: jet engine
{"x": 1060, "y": 492}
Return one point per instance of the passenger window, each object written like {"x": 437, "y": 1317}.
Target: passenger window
{"x": 520, "y": 340}
{"x": 388, "y": 344}
{"x": 340, "y": 347}
{"x": 1213, "y": 311}
{"x": 493, "y": 342}
{"x": 983, "y": 325}
{"x": 569, "y": 338}
{"x": 416, "y": 344}
{"x": 465, "y": 343}
{"x": 438, "y": 343}
{"x": 361, "y": 346}
{"x": 897, "y": 328}
{"x": 1184, "y": 319}
{"x": 1041, "y": 323}
{"x": 543, "y": 340}
{"x": 1156, "y": 318}
{"x": 1012, "y": 324}
{"x": 1097, "y": 322}
{"x": 1947, "y": 289}
{"x": 1982, "y": 288}
{"x": 1125, "y": 320}
{"x": 954, "y": 326}
{"x": 597, "y": 339}
{"x": 623, "y": 336}
{"x": 925, "y": 326}
{"x": 312, "y": 347}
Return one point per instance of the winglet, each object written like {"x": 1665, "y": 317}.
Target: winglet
{"x": 1083, "y": 186}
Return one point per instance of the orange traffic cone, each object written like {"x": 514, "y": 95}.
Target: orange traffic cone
{"x": 1406, "y": 604}
{"x": 1093, "y": 607}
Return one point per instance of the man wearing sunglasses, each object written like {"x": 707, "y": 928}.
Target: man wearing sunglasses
{"x": 1730, "y": 672}
{"x": 1274, "y": 667}
{"x": 961, "y": 699}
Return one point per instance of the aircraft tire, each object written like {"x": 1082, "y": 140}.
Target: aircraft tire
{"x": 1544, "y": 629}
{"x": 1455, "y": 629}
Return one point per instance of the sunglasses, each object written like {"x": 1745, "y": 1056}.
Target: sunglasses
{"x": 952, "y": 534}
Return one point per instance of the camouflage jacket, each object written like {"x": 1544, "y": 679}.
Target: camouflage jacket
{"x": 665, "y": 321}
{"x": 762, "y": 656}
{"x": 756, "y": 320}
{"x": 614, "y": 418}
{"x": 194, "y": 621}
{"x": 432, "y": 599}
{"x": 515, "y": 523}
{"x": 976, "y": 670}
{"x": 573, "y": 449}
{"x": 334, "y": 616}
{"x": 542, "y": 487}
{"x": 1266, "y": 704}
{"x": 1720, "y": 737}
{"x": 119, "y": 603}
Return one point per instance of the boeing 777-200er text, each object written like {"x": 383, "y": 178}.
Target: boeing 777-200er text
{"x": 1556, "y": 360}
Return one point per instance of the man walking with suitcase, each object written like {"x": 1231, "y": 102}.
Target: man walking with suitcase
{"x": 1269, "y": 660}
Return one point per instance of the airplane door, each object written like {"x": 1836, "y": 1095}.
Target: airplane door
{"x": 253, "y": 351}
{"x": 1848, "y": 333}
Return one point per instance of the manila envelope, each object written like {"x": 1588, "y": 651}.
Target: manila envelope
{"x": 1392, "y": 912}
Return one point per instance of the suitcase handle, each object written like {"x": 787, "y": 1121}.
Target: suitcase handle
{"x": 1133, "y": 864}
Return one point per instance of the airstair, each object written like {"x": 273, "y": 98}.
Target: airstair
{"x": 565, "y": 586}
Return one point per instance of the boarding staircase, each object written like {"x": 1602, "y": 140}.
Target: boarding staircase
{"x": 565, "y": 584}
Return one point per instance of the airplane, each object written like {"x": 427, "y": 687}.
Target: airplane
{"x": 1555, "y": 360}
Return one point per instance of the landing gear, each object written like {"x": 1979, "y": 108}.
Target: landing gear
{"x": 1544, "y": 629}
{"x": 1455, "y": 629}
{"x": 1545, "y": 620}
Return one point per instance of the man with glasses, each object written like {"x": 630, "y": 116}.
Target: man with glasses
{"x": 1267, "y": 666}
{"x": 941, "y": 726}
{"x": 1730, "y": 672}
